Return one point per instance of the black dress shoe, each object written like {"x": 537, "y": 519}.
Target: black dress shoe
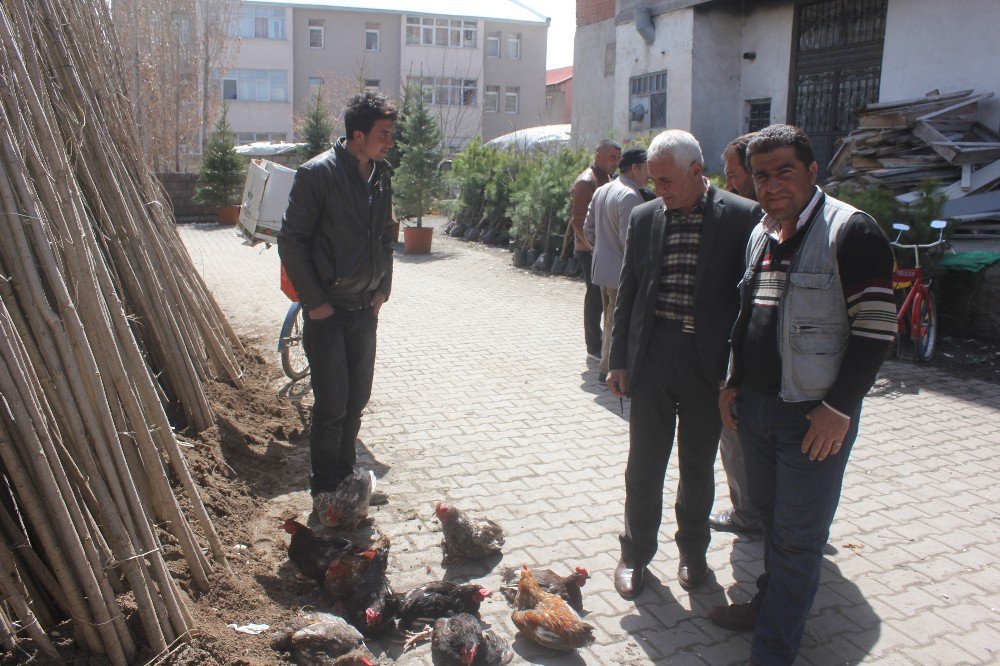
{"x": 692, "y": 572}
{"x": 739, "y": 617}
{"x": 723, "y": 522}
{"x": 629, "y": 580}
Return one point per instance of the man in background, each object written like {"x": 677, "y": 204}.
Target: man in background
{"x": 600, "y": 172}
{"x": 741, "y": 517}
{"x": 604, "y": 229}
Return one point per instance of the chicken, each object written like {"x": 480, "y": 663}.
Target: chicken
{"x": 343, "y": 573}
{"x": 462, "y": 641}
{"x": 428, "y": 602}
{"x": 567, "y": 587}
{"x": 311, "y": 553}
{"x": 322, "y": 639}
{"x": 372, "y": 605}
{"x": 347, "y": 506}
{"x": 467, "y": 538}
{"x": 546, "y": 619}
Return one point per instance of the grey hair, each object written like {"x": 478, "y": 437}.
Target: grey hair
{"x": 680, "y": 145}
{"x": 608, "y": 143}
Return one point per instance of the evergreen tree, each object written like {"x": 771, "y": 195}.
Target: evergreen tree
{"x": 417, "y": 180}
{"x": 316, "y": 128}
{"x": 221, "y": 175}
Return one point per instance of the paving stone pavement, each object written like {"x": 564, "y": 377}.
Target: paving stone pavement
{"x": 484, "y": 397}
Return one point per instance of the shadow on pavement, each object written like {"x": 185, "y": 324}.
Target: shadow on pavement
{"x": 840, "y": 610}
{"x": 602, "y": 394}
{"x": 435, "y": 255}
{"x": 905, "y": 378}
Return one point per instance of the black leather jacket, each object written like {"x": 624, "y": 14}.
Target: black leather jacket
{"x": 333, "y": 241}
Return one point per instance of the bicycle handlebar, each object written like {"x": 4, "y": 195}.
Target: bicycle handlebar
{"x": 921, "y": 246}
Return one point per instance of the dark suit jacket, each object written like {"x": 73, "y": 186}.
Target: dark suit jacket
{"x": 726, "y": 225}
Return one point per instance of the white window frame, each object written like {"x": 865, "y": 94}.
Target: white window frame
{"x": 491, "y": 99}
{"x": 439, "y": 31}
{"x": 372, "y": 84}
{"x": 375, "y": 31}
{"x": 448, "y": 91}
{"x": 493, "y": 44}
{"x": 512, "y": 92}
{"x": 258, "y": 85}
{"x": 259, "y": 23}
{"x": 514, "y": 39}
{"x": 317, "y": 27}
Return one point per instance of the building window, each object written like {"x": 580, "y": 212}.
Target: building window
{"x": 315, "y": 83}
{"x": 373, "y": 37}
{"x": 758, "y": 114}
{"x": 491, "y": 99}
{"x": 511, "y": 99}
{"x": 648, "y": 101}
{"x": 514, "y": 46}
{"x": 446, "y": 91}
{"x": 316, "y": 33}
{"x": 609, "y": 59}
{"x": 255, "y": 85}
{"x": 253, "y": 137}
{"x": 259, "y": 23}
{"x": 548, "y": 102}
{"x": 493, "y": 44}
{"x": 428, "y": 31}
{"x": 371, "y": 84}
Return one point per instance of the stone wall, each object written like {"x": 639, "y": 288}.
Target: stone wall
{"x": 180, "y": 191}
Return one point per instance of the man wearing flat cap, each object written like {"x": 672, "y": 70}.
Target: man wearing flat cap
{"x": 605, "y": 227}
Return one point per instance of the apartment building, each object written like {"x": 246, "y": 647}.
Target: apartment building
{"x": 482, "y": 71}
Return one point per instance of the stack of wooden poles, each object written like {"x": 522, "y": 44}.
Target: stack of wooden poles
{"x": 105, "y": 328}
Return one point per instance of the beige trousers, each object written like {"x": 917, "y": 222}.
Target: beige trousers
{"x": 609, "y": 297}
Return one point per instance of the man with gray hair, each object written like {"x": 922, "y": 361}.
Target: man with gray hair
{"x": 677, "y": 300}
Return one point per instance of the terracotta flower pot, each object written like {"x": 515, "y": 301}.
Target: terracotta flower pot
{"x": 417, "y": 240}
{"x": 229, "y": 215}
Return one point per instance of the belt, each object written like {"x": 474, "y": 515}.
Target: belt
{"x": 684, "y": 326}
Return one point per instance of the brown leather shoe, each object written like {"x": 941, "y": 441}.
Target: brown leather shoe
{"x": 692, "y": 572}
{"x": 629, "y": 580}
{"x": 738, "y": 617}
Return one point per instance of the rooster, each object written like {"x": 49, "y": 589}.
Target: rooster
{"x": 322, "y": 639}
{"x": 567, "y": 587}
{"x": 546, "y": 619}
{"x": 429, "y": 602}
{"x": 467, "y": 538}
{"x": 311, "y": 552}
{"x": 344, "y": 572}
{"x": 462, "y": 641}
{"x": 372, "y": 605}
{"x": 347, "y": 506}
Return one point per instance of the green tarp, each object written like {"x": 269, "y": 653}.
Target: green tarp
{"x": 970, "y": 262}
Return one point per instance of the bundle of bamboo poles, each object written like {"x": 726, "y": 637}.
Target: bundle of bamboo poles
{"x": 105, "y": 326}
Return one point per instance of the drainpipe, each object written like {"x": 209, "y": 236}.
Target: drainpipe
{"x": 644, "y": 24}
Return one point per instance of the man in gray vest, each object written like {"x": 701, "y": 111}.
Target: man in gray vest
{"x": 604, "y": 229}
{"x": 816, "y": 320}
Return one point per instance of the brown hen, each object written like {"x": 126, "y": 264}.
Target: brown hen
{"x": 546, "y": 619}
{"x": 467, "y": 538}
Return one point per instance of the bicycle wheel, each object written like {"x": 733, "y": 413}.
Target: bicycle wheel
{"x": 293, "y": 356}
{"x": 924, "y": 316}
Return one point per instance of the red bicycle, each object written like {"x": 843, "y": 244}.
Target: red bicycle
{"x": 917, "y": 317}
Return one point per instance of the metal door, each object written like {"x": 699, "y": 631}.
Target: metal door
{"x": 837, "y": 68}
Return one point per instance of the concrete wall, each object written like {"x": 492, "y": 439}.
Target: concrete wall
{"x": 766, "y": 32}
{"x": 715, "y": 100}
{"x": 343, "y": 58}
{"x": 945, "y": 45}
{"x": 528, "y": 74}
{"x": 561, "y": 109}
{"x": 252, "y": 116}
{"x": 593, "y": 90}
{"x": 672, "y": 50}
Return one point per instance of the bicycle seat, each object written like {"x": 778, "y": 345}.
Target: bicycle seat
{"x": 937, "y": 224}
{"x": 899, "y": 226}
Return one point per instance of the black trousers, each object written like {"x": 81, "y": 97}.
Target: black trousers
{"x": 341, "y": 353}
{"x": 593, "y": 309}
{"x": 673, "y": 394}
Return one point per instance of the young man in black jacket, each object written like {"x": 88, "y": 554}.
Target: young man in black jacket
{"x": 336, "y": 251}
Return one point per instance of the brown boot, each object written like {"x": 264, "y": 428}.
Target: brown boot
{"x": 738, "y": 617}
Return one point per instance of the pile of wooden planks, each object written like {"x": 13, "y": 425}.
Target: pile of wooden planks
{"x": 898, "y": 145}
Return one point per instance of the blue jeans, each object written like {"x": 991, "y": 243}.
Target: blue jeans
{"x": 797, "y": 499}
